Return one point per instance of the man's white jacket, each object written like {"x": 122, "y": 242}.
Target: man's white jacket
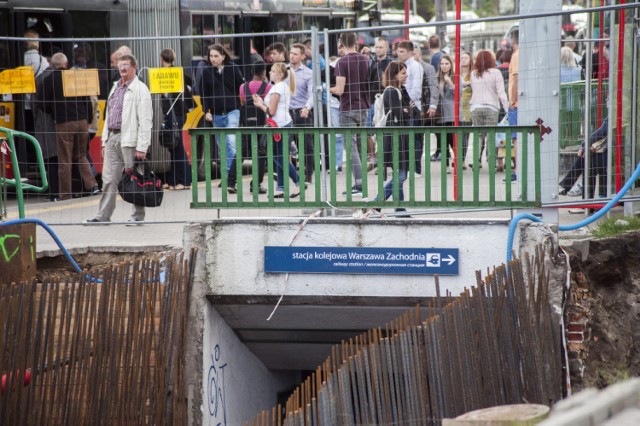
{"x": 137, "y": 114}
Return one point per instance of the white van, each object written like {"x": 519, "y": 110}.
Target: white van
{"x": 393, "y": 18}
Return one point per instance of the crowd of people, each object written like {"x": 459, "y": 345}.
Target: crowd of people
{"x": 422, "y": 76}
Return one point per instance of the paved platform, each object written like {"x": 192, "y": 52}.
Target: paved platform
{"x": 163, "y": 225}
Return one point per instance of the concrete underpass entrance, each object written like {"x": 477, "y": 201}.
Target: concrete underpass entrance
{"x": 256, "y": 335}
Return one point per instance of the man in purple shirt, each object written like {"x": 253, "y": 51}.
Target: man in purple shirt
{"x": 352, "y": 87}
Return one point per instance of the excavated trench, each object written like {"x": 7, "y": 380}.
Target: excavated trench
{"x": 603, "y": 305}
{"x": 603, "y": 310}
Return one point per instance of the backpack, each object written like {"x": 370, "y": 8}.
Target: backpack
{"x": 250, "y": 115}
{"x": 379, "y": 115}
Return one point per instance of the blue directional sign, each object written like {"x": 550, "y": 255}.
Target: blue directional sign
{"x": 361, "y": 260}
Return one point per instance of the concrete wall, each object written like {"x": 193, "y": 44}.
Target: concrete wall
{"x": 235, "y": 253}
{"x": 236, "y": 384}
{"x": 227, "y": 383}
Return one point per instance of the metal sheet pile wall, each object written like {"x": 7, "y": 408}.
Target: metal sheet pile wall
{"x": 496, "y": 344}
{"x": 76, "y": 350}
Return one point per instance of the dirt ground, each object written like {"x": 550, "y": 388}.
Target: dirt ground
{"x": 607, "y": 272}
{"x": 91, "y": 261}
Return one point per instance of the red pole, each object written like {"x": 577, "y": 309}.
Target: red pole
{"x": 406, "y": 18}
{"x": 619, "y": 100}
{"x": 456, "y": 100}
{"x": 600, "y": 68}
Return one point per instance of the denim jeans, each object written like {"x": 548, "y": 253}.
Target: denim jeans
{"x": 228, "y": 120}
{"x": 278, "y": 159}
{"x": 419, "y": 143}
{"x": 388, "y": 187}
{"x": 355, "y": 118}
{"x": 513, "y": 119}
{"x": 335, "y": 122}
{"x": 369, "y": 122}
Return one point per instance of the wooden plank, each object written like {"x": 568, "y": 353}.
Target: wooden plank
{"x": 17, "y": 253}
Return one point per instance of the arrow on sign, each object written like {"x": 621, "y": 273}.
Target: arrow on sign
{"x": 449, "y": 259}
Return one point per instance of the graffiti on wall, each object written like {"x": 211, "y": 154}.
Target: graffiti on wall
{"x": 215, "y": 388}
{"x": 9, "y": 246}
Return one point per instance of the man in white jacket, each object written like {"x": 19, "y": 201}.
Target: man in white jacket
{"x": 126, "y": 136}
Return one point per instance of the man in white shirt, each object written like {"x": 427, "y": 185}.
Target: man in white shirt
{"x": 126, "y": 137}
{"x": 413, "y": 86}
{"x": 302, "y": 104}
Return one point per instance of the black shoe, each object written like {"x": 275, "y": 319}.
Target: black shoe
{"x": 232, "y": 189}
{"x": 94, "y": 221}
{"x": 54, "y": 198}
{"x": 355, "y": 190}
{"x": 261, "y": 189}
{"x": 403, "y": 216}
{"x": 95, "y": 190}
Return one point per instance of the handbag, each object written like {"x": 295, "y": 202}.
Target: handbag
{"x": 599, "y": 146}
{"x": 140, "y": 186}
{"x": 170, "y": 132}
{"x": 277, "y": 137}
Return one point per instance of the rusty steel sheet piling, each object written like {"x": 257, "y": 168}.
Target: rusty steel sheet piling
{"x": 98, "y": 347}
{"x": 495, "y": 344}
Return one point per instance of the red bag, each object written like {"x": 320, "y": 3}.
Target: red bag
{"x": 277, "y": 137}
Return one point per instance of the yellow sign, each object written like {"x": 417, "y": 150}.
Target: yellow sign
{"x": 166, "y": 80}
{"x": 18, "y": 80}
{"x": 7, "y": 116}
{"x": 80, "y": 82}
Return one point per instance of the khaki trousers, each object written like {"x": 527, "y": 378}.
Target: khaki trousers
{"x": 71, "y": 140}
{"x": 116, "y": 159}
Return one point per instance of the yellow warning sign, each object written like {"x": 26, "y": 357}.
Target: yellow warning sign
{"x": 166, "y": 80}
{"x": 80, "y": 82}
{"x": 17, "y": 80}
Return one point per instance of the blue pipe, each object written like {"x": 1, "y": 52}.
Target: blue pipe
{"x": 50, "y": 231}
{"x": 585, "y": 222}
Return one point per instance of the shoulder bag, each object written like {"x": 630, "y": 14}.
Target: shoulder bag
{"x": 140, "y": 186}
{"x": 599, "y": 146}
{"x": 170, "y": 133}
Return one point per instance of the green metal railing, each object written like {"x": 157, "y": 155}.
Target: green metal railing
{"x": 572, "y": 110}
{"x": 17, "y": 181}
{"x": 434, "y": 188}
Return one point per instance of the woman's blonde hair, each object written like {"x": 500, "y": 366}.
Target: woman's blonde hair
{"x": 567, "y": 58}
{"x": 32, "y": 44}
{"x": 284, "y": 70}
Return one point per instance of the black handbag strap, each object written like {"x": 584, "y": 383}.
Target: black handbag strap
{"x": 260, "y": 92}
